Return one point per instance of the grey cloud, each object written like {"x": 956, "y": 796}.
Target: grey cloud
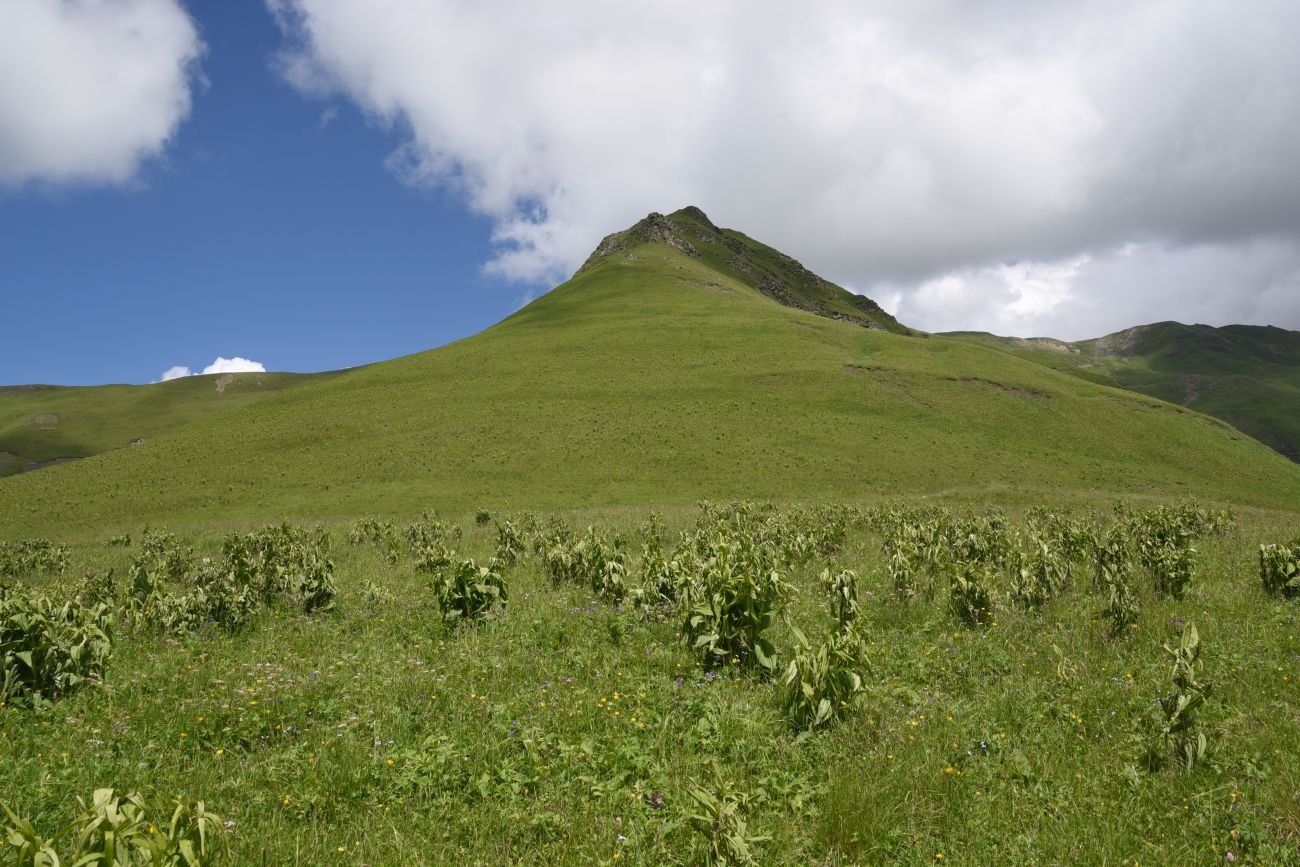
{"x": 885, "y": 145}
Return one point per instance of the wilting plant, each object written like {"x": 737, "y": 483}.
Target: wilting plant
{"x": 1178, "y": 729}
{"x": 719, "y": 817}
{"x": 118, "y": 831}
{"x": 824, "y": 682}
{"x": 970, "y": 592}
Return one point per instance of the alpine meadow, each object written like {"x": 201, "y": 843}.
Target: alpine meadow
{"x": 696, "y": 558}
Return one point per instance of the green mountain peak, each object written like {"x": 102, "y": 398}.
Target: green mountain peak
{"x": 690, "y": 231}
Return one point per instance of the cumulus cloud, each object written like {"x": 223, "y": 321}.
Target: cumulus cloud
{"x": 890, "y": 146}
{"x": 176, "y": 372}
{"x": 90, "y": 88}
{"x": 221, "y": 365}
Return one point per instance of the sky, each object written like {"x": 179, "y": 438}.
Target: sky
{"x": 314, "y": 184}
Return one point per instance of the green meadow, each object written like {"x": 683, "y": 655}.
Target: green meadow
{"x": 504, "y": 625}
{"x": 567, "y": 728}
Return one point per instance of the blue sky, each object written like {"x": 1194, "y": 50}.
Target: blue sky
{"x": 261, "y": 232}
{"x": 314, "y": 184}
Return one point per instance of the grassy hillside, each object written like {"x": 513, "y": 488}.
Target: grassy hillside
{"x": 653, "y": 378}
{"x": 46, "y": 424}
{"x": 1247, "y": 375}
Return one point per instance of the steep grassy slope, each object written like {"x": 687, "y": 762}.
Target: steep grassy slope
{"x": 651, "y": 378}
{"x": 1246, "y": 375}
{"x": 42, "y": 424}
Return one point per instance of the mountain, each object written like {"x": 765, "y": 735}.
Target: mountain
{"x": 660, "y": 375}
{"x": 1247, "y": 375}
{"x": 757, "y": 265}
{"x": 45, "y": 425}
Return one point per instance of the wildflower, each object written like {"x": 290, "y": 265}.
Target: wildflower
{"x": 220, "y": 751}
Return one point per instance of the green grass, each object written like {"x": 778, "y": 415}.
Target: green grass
{"x": 652, "y": 379}
{"x": 1017, "y": 743}
{"x": 41, "y": 423}
{"x": 1247, "y": 375}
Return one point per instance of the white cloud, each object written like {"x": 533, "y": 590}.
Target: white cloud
{"x": 176, "y": 372}
{"x": 887, "y": 143}
{"x": 220, "y": 365}
{"x": 90, "y": 88}
{"x": 234, "y": 365}
{"x": 1132, "y": 284}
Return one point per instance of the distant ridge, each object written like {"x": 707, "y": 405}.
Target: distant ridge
{"x": 1247, "y": 375}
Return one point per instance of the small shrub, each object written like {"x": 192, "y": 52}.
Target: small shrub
{"x": 32, "y": 555}
{"x": 510, "y": 544}
{"x": 467, "y": 591}
{"x": 163, "y": 552}
{"x": 1037, "y": 573}
{"x": 1279, "y": 569}
{"x": 970, "y": 592}
{"x": 733, "y": 599}
{"x": 1173, "y": 568}
{"x": 824, "y": 682}
{"x": 1114, "y": 575}
{"x": 482, "y": 517}
{"x": 843, "y": 589}
{"x": 48, "y": 649}
{"x": 378, "y": 533}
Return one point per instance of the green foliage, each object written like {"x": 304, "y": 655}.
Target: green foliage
{"x": 377, "y": 533}
{"x": 971, "y": 592}
{"x": 288, "y": 562}
{"x": 1279, "y": 569}
{"x": 482, "y": 517}
{"x": 32, "y": 555}
{"x": 902, "y": 553}
{"x": 823, "y": 683}
{"x": 163, "y": 552}
{"x": 733, "y": 599}
{"x": 719, "y": 817}
{"x": 1173, "y": 568}
{"x": 275, "y": 565}
{"x": 1114, "y": 562}
{"x": 430, "y": 532}
{"x": 843, "y": 589}
{"x": 510, "y": 544}
{"x": 118, "y": 831}
{"x": 468, "y": 592}
{"x": 47, "y": 648}
{"x": 593, "y": 561}
{"x": 1038, "y": 573}
{"x": 1178, "y": 728}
